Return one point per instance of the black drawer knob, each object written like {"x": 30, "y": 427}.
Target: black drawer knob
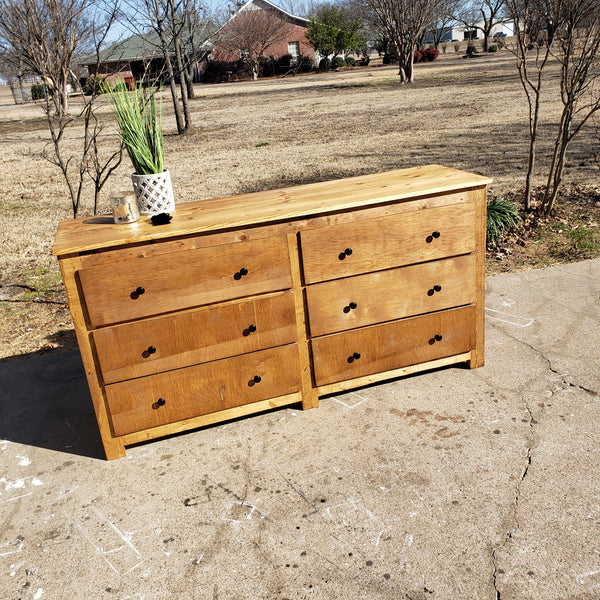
{"x": 355, "y": 356}
{"x": 437, "y": 288}
{"x": 350, "y": 307}
{"x": 346, "y": 252}
{"x": 151, "y": 349}
{"x": 256, "y": 379}
{"x": 436, "y": 338}
{"x": 436, "y": 234}
{"x": 243, "y": 271}
{"x": 161, "y": 402}
{"x": 250, "y": 329}
{"x": 137, "y": 292}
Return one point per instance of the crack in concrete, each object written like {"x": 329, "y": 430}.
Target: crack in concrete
{"x": 565, "y": 381}
{"x": 513, "y": 524}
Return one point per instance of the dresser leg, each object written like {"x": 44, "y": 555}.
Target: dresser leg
{"x": 477, "y": 359}
{"x": 113, "y": 448}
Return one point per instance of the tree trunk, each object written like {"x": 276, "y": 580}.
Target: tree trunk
{"x": 189, "y": 80}
{"x": 172, "y": 85}
{"x": 17, "y": 96}
{"x": 24, "y": 97}
{"x": 182, "y": 85}
{"x": 405, "y": 66}
{"x": 558, "y": 161}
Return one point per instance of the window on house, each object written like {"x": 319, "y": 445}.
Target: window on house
{"x": 294, "y": 52}
{"x": 470, "y": 34}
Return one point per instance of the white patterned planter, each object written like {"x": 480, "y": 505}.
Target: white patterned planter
{"x": 153, "y": 193}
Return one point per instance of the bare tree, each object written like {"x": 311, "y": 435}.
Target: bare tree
{"x": 12, "y": 68}
{"x": 249, "y": 33}
{"x": 568, "y": 31}
{"x": 199, "y": 26}
{"x": 578, "y": 42}
{"x": 90, "y": 162}
{"x": 481, "y": 15}
{"x": 181, "y": 29}
{"x": 403, "y": 22}
{"x": 45, "y": 35}
{"x": 535, "y": 23}
{"x": 440, "y": 26}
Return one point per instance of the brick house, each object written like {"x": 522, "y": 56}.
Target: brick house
{"x": 262, "y": 29}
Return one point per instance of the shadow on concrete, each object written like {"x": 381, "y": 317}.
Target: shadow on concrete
{"x": 46, "y": 403}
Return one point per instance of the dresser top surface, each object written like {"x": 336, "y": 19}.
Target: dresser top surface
{"x": 232, "y": 212}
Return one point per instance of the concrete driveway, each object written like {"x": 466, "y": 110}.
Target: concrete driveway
{"x": 453, "y": 484}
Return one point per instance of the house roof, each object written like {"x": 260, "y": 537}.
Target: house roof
{"x": 136, "y": 47}
{"x": 266, "y": 5}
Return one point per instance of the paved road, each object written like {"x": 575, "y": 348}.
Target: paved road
{"x": 453, "y": 484}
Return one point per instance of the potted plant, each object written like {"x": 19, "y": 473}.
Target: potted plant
{"x": 140, "y": 130}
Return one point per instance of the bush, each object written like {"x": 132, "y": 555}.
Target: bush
{"x": 502, "y": 216}
{"x": 38, "y": 91}
{"x": 430, "y": 54}
{"x": 493, "y": 48}
{"x": 418, "y": 56}
{"x": 350, "y": 61}
{"x": 338, "y": 62}
{"x": 307, "y": 64}
{"x": 285, "y": 61}
{"x": 390, "y": 58}
{"x": 471, "y": 50}
{"x": 325, "y": 64}
{"x": 219, "y": 71}
{"x": 94, "y": 84}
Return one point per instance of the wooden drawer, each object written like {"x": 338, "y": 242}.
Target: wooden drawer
{"x": 154, "y": 345}
{"x": 389, "y": 346}
{"x": 142, "y": 287}
{"x": 185, "y": 393}
{"x": 386, "y": 242}
{"x": 388, "y": 295}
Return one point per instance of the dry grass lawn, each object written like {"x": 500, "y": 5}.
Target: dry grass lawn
{"x": 468, "y": 114}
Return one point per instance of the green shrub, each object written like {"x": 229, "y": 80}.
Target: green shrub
{"x": 338, "y": 62}
{"x": 94, "y": 84}
{"x": 502, "y": 216}
{"x": 38, "y": 91}
{"x": 350, "y": 61}
{"x": 493, "y": 48}
{"x": 471, "y": 50}
{"x": 285, "y": 61}
{"x": 325, "y": 64}
{"x": 307, "y": 64}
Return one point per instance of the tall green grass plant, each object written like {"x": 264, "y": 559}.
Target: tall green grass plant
{"x": 140, "y": 126}
{"x": 502, "y": 216}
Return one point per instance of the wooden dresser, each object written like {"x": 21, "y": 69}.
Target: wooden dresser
{"x": 251, "y": 302}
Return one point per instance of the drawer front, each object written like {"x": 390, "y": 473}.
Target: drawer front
{"x": 142, "y": 287}
{"x": 393, "y": 345}
{"x": 388, "y": 295}
{"x": 185, "y": 393}
{"x": 387, "y": 242}
{"x": 154, "y": 345}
